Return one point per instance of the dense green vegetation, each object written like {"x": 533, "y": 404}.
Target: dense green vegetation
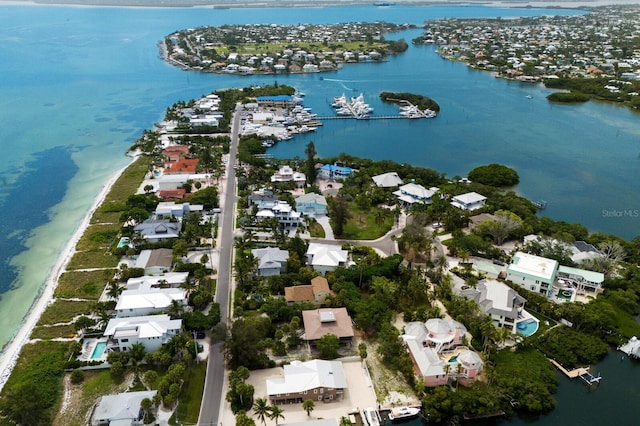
{"x": 422, "y": 102}
{"x": 569, "y": 98}
{"x": 593, "y": 88}
{"x": 494, "y": 175}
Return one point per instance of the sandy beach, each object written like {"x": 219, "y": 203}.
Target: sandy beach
{"x": 11, "y": 351}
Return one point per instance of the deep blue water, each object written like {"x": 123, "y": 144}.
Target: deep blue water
{"x": 79, "y": 85}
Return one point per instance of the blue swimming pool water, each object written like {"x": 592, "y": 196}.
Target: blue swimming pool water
{"x": 124, "y": 241}
{"x": 453, "y": 358}
{"x": 98, "y": 350}
{"x": 530, "y": 327}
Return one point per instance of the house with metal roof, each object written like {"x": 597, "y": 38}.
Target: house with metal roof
{"x": 387, "y": 180}
{"x": 334, "y": 172}
{"x": 170, "y": 279}
{"x": 156, "y": 231}
{"x": 271, "y": 261}
{"x": 412, "y": 193}
{"x": 311, "y": 204}
{"x": 469, "y": 201}
{"x": 502, "y": 303}
{"x": 326, "y": 258}
{"x": 122, "y": 409}
{"x": 581, "y": 279}
{"x": 318, "y": 380}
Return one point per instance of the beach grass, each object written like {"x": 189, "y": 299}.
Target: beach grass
{"x": 63, "y": 311}
{"x": 96, "y": 383}
{"x": 53, "y": 332}
{"x": 92, "y": 259}
{"x": 101, "y": 236}
{"x": 83, "y": 284}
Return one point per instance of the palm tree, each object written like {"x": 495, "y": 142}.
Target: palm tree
{"x": 146, "y": 405}
{"x": 136, "y": 355}
{"x": 308, "y": 406}
{"x": 276, "y": 413}
{"x": 261, "y": 409}
{"x": 175, "y": 310}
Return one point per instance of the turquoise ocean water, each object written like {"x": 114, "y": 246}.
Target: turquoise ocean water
{"x": 79, "y": 85}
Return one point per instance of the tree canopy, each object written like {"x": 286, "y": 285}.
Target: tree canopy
{"x": 494, "y": 175}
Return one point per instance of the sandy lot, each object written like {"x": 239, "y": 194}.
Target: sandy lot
{"x": 358, "y": 396}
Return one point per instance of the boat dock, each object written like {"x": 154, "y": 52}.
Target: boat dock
{"x": 581, "y": 372}
{"x": 540, "y": 205}
{"x": 367, "y": 117}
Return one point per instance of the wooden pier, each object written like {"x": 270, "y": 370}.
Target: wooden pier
{"x": 581, "y": 372}
{"x": 368, "y": 117}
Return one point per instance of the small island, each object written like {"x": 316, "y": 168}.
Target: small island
{"x": 412, "y": 105}
{"x": 280, "y": 49}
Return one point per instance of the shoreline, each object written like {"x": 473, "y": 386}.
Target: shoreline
{"x": 11, "y": 351}
{"x": 227, "y": 4}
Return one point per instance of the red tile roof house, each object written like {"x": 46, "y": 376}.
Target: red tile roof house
{"x": 316, "y": 292}
{"x": 184, "y": 166}
{"x": 320, "y": 322}
{"x": 176, "y": 153}
{"x": 172, "y": 194}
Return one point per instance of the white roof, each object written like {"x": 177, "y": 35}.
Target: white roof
{"x": 426, "y": 358}
{"x": 417, "y": 191}
{"x": 300, "y": 376}
{"x": 469, "y": 198}
{"x": 144, "y": 327}
{"x": 147, "y": 281}
{"x": 525, "y": 263}
{"x": 270, "y": 257}
{"x": 122, "y": 406}
{"x": 327, "y": 255}
{"x": 387, "y": 180}
{"x": 153, "y": 298}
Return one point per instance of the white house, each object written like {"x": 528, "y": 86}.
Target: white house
{"x": 155, "y": 231}
{"x": 412, "y": 193}
{"x": 532, "y": 272}
{"x": 271, "y": 260}
{"x": 121, "y": 409}
{"x": 469, "y": 201}
{"x": 169, "y": 209}
{"x": 170, "y": 279}
{"x": 141, "y": 302}
{"x": 286, "y": 174}
{"x": 281, "y": 210}
{"x": 326, "y": 258}
{"x": 498, "y": 300}
{"x": 152, "y": 331}
{"x": 387, "y": 180}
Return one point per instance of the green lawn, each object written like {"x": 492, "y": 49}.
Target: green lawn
{"x": 83, "y": 284}
{"x": 63, "y": 311}
{"x": 191, "y": 394}
{"x": 362, "y": 224}
{"x": 316, "y": 230}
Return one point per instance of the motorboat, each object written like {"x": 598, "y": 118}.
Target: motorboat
{"x": 372, "y": 416}
{"x": 403, "y": 413}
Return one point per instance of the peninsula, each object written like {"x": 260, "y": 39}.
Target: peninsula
{"x": 410, "y": 288}
{"x": 280, "y": 49}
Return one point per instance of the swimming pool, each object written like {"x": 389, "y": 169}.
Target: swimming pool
{"x": 453, "y": 358}
{"x": 124, "y": 242}
{"x": 98, "y": 350}
{"x": 527, "y": 327}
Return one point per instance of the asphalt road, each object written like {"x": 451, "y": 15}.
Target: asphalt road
{"x": 212, "y": 397}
